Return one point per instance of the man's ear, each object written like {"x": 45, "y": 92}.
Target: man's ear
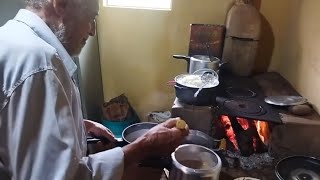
{"x": 59, "y": 7}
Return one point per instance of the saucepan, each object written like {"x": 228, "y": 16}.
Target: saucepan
{"x": 129, "y": 134}
{"x": 187, "y": 86}
{"x": 134, "y": 131}
{"x": 195, "y": 137}
{"x": 197, "y": 62}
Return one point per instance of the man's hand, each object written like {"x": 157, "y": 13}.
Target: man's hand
{"x": 98, "y": 130}
{"x": 161, "y": 140}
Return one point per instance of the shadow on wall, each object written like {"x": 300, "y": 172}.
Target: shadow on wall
{"x": 266, "y": 46}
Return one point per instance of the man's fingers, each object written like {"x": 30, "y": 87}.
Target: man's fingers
{"x": 108, "y": 135}
{"x": 170, "y": 123}
{"x": 185, "y": 132}
{"x": 179, "y": 132}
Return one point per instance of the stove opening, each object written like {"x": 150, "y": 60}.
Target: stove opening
{"x": 246, "y": 136}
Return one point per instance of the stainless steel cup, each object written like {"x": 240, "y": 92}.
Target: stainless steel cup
{"x": 194, "y": 162}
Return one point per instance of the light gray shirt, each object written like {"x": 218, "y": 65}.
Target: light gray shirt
{"x": 42, "y": 134}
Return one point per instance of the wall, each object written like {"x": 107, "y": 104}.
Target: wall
{"x": 136, "y": 46}
{"x": 91, "y": 79}
{"x": 8, "y": 9}
{"x": 301, "y": 56}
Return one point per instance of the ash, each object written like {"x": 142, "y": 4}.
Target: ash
{"x": 255, "y": 161}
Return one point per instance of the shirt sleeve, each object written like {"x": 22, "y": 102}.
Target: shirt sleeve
{"x": 42, "y": 135}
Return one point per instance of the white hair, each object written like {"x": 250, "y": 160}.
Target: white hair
{"x": 37, "y": 4}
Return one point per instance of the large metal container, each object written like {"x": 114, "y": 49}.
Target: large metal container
{"x": 194, "y": 162}
{"x": 199, "y": 62}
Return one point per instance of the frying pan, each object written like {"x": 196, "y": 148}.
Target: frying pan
{"x": 129, "y": 134}
{"x": 298, "y": 168}
{"x": 134, "y": 131}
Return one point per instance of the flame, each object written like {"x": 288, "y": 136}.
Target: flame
{"x": 244, "y": 123}
{"x": 263, "y": 131}
{"x": 254, "y": 144}
{"x": 229, "y": 131}
{"x": 261, "y": 126}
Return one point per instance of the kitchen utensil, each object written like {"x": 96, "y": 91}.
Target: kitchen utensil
{"x": 243, "y": 26}
{"x": 129, "y": 134}
{"x": 285, "y": 100}
{"x": 298, "y": 168}
{"x": 94, "y": 139}
{"x": 185, "y": 91}
{"x": 246, "y": 178}
{"x": 205, "y": 78}
{"x": 208, "y": 51}
{"x": 204, "y": 84}
{"x": 194, "y": 162}
{"x": 203, "y": 34}
{"x": 200, "y": 62}
{"x": 134, "y": 131}
{"x": 202, "y": 139}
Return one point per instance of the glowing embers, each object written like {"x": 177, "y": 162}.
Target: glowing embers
{"x": 246, "y": 136}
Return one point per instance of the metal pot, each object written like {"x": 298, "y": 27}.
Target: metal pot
{"x": 200, "y": 62}
{"x": 134, "y": 131}
{"x": 129, "y": 134}
{"x": 298, "y": 167}
{"x": 194, "y": 162}
{"x": 202, "y": 139}
{"x": 185, "y": 93}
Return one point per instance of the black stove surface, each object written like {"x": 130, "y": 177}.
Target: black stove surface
{"x": 243, "y": 97}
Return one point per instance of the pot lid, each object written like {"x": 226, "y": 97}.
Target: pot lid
{"x": 298, "y": 168}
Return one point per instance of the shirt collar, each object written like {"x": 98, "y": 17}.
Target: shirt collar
{"x": 44, "y": 32}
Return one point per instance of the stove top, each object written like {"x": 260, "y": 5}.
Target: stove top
{"x": 243, "y": 97}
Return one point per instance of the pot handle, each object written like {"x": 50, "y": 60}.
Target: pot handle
{"x": 94, "y": 139}
{"x": 157, "y": 163}
{"x": 187, "y": 58}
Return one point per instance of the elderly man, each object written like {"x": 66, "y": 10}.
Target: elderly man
{"x": 42, "y": 133}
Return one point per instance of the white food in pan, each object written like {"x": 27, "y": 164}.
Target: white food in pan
{"x": 195, "y": 81}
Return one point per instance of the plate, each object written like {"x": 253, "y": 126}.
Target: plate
{"x": 285, "y": 100}
{"x": 246, "y": 178}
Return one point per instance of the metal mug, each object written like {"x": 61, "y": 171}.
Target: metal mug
{"x": 194, "y": 162}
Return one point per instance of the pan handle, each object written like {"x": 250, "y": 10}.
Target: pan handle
{"x": 93, "y": 140}
{"x": 187, "y": 58}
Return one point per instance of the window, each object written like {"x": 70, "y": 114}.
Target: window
{"x": 139, "y": 4}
